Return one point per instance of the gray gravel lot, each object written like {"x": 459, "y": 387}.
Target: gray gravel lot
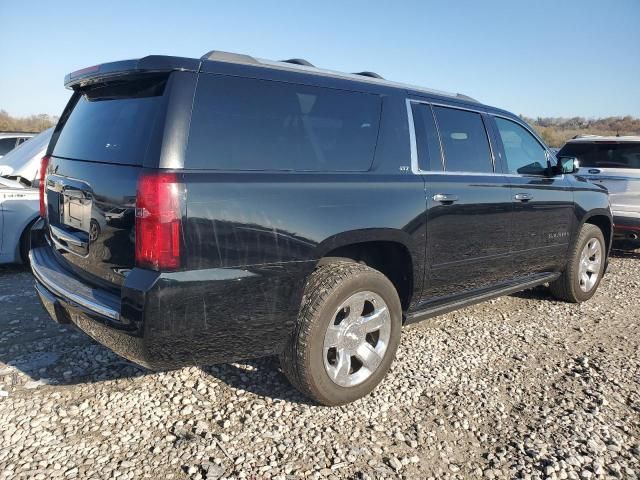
{"x": 520, "y": 387}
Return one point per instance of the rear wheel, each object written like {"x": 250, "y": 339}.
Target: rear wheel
{"x": 347, "y": 333}
{"x": 585, "y": 267}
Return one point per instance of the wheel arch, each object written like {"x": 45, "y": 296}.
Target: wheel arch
{"x": 604, "y": 222}
{"x": 388, "y": 251}
{"x": 24, "y": 232}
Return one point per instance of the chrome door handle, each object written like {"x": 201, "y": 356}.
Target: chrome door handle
{"x": 445, "y": 198}
{"x": 523, "y": 197}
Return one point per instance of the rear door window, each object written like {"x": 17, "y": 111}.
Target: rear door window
{"x": 604, "y": 154}
{"x": 464, "y": 140}
{"x": 248, "y": 124}
{"x": 119, "y": 122}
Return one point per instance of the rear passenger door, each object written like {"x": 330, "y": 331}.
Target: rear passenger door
{"x": 468, "y": 202}
{"x": 543, "y": 212}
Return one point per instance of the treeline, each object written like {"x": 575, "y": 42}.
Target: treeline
{"x": 554, "y": 130}
{"x": 32, "y": 123}
{"x": 557, "y": 130}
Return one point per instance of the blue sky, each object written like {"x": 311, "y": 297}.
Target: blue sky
{"x": 540, "y": 58}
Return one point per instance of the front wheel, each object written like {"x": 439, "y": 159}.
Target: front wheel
{"x": 585, "y": 267}
{"x": 347, "y": 334}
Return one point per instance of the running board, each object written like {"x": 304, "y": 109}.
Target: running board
{"x": 432, "y": 311}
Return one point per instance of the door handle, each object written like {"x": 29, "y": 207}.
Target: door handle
{"x": 523, "y": 197}
{"x": 445, "y": 198}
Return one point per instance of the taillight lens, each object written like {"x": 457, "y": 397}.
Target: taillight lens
{"x": 44, "y": 164}
{"x": 158, "y": 221}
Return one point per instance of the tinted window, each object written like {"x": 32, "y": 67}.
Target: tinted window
{"x": 604, "y": 154}
{"x": 6, "y": 145}
{"x": 464, "y": 140}
{"x": 429, "y": 157}
{"x": 247, "y": 124}
{"x": 115, "y": 123}
{"x": 524, "y": 153}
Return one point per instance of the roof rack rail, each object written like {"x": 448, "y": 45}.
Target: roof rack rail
{"x": 219, "y": 56}
{"x": 299, "y": 61}
{"x": 369, "y": 74}
{"x": 466, "y": 97}
{"x": 306, "y": 66}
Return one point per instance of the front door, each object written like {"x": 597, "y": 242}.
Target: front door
{"x": 543, "y": 213}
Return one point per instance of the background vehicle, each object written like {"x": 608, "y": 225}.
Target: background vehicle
{"x": 23, "y": 163}
{"x": 18, "y": 211}
{"x": 276, "y": 208}
{"x": 10, "y": 140}
{"x": 613, "y": 162}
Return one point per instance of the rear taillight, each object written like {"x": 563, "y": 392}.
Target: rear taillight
{"x": 44, "y": 163}
{"x": 158, "y": 221}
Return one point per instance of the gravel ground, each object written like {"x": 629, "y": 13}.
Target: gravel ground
{"x": 520, "y": 387}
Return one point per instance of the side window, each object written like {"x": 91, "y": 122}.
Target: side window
{"x": 248, "y": 124}
{"x": 525, "y": 155}
{"x": 6, "y": 145}
{"x": 464, "y": 140}
{"x": 429, "y": 157}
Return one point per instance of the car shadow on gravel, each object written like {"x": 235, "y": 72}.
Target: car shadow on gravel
{"x": 537, "y": 293}
{"x": 262, "y": 377}
{"x": 36, "y": 351}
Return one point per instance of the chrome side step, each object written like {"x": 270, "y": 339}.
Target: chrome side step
{"x": 433, "y": 310}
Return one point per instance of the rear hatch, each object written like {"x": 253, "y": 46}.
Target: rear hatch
{"x": 613, "y": 164}
{"x": 109, "y": 132}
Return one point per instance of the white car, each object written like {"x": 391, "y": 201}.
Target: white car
{"x": 11, "y": 140}
{"x": 23, "y": 163}
{"x": 19, "y": 208}
{"x": 613, "y": 162}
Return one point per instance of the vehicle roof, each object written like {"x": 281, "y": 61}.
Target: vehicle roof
{"x": 16, "y": 134}
{"x": 301, "y": 65}
{"x": 159, "y": 63}
{"x": 602, "y": 138}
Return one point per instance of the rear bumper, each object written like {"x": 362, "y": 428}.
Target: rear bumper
{"x": 170, "y": 320}
{"x": 626, "y": 226}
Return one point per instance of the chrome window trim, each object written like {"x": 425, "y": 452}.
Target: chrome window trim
{"x": 413, "y": 146}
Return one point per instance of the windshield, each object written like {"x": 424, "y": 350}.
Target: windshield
{"x": 604, "y": 154}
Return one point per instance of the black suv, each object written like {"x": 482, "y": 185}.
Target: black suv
{"x": 211, "y": 210}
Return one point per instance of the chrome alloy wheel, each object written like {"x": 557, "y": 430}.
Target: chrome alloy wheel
{"x": 590, "y": 262}
{"x": 357, "y": 339}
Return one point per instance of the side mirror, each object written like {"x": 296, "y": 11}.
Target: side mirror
{"x": 568, "y": 165}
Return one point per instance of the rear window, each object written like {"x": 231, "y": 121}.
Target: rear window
{"x": 247, "y": 124}
{"x": 119, "y": 122}
{"x": 604, "y": 155}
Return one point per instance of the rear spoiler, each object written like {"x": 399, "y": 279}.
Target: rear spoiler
{"x": 149, "y": 64}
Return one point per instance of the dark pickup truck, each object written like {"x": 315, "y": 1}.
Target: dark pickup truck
{"x": 210, "y": 210}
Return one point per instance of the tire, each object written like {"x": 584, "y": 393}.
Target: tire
{"x": 570, "y": 287}
{"x": 309, "y": 357}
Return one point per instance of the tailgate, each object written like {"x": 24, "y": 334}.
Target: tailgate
{"x": 108, "y": 134}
